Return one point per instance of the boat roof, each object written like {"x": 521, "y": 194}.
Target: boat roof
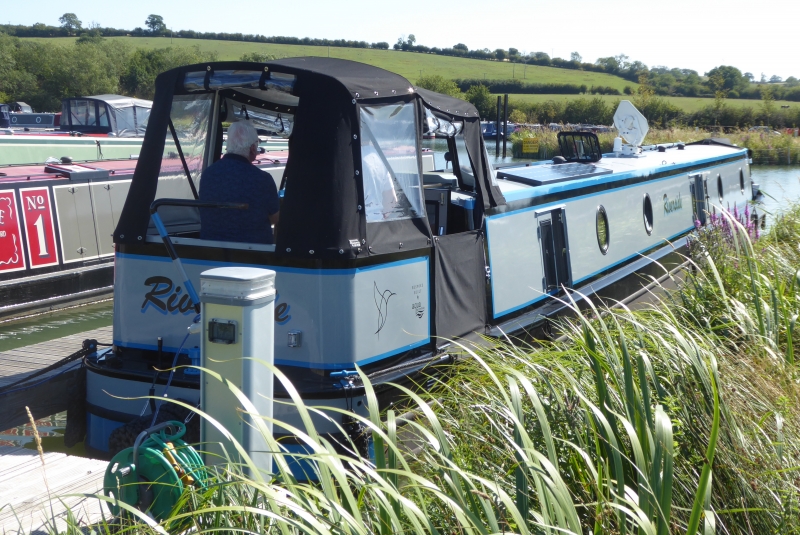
{"x": 612, "y": 171}
{"x": 117, "y": 101}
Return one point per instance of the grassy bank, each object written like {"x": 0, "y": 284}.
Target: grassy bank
{"x": 767, "y": 148}
{"x": 675, "y": 419}
{"x": 408, "y": 64}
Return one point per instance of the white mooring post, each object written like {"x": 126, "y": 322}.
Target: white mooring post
{"x": 238, "y": 309}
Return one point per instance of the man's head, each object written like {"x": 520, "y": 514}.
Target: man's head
{"x": 242, "y": 140}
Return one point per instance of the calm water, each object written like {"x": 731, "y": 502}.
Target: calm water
{"x": 43, "y": 327}
{"x": 780, "y": 184}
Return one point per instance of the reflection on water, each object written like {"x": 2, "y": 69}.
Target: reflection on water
{"x": 44, "y": 327}
{"x": 51, "y": 432}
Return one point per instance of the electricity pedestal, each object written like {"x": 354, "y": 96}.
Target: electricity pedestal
{"x": 238, "y": 309}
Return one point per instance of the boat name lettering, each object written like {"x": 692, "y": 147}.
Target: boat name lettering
{"x": 174, "y": 304}
{"x": 672, "y": 205}
{"x": 282, "y": 315}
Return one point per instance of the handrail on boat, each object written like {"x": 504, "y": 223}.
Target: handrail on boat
{"x": 162, "y": 231}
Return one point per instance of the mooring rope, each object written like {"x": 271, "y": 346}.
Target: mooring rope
{"x": 89, "y": 346}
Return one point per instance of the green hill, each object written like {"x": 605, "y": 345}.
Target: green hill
{"x": 408, "y": 64}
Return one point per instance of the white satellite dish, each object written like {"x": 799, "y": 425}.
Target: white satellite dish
{"x": 630, "y": 124}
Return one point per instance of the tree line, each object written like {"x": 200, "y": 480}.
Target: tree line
{"x": 41, "y": 74}
{"x": 664, "y": 80}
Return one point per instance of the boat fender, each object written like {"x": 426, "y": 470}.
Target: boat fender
{"x": 559, "y": 159}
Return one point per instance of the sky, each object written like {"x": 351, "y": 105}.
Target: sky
{"x": 756, "y": 37}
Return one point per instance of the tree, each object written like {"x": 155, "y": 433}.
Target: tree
{"x": 155, "y": 23}
{"x": 733, "y": 79}
{"x": 513, "y": 52}
{"x": 440, "y": 84}
{"x": 792, "y": 82}
{"x": 500, "y": 54}
{"x": 517, "y": 116}
{"x": 749, "y": 76}
{"x": 775, "y": 79}
{"x": 481, "y": 98}
{"x": 382, "y": 45}
{"x": 461, "y": 46}
{"x": 70, "y": 22}
{"x": 412, "y": 39}
{"x": 767, "y": 103}
{"x": 577, "y": 58}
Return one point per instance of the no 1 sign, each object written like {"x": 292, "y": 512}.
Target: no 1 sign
{"x": 38, "y": 216}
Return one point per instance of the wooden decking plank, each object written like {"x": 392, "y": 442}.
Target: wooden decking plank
{"x": 23, "y": 492}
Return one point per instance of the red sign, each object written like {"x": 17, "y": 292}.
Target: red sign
{"x": 11, "y": 257}
{"x": 38, "y": 217}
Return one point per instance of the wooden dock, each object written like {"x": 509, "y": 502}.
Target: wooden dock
{"x": 26, "y": 506}
{"x": 50, "y": 395}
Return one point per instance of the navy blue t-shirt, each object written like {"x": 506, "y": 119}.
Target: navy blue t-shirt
{"x": 234, "y": 179}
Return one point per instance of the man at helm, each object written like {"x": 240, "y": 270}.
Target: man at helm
{"x": 233, "y": 178}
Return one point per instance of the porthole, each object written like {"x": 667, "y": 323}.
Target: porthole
{"x": 601, "y": 222}
{"x": 719, "y": 187}
{"x": 647, "y": 213}
{"x": 741, "y": 180}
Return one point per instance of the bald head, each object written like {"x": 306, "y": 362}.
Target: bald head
{"x": 241, "y": 138}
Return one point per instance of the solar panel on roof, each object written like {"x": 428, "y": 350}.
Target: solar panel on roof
{"x": 538, "y": 175}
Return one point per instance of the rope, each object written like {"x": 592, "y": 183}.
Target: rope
{"x": 89, "y": 346}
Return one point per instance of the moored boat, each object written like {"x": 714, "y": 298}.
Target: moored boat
{"x": 383, "y": 284}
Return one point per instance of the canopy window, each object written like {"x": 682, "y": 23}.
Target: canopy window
{"x": 182, "y": 161}
{"x": 390, "y": 163}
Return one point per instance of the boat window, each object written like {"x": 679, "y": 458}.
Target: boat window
{"x": 273, "y": 122}
{"x": 601, "y": 222}
{"x": 82, "y": 113}
{"x": 190, "y": 116}
{"x": 741, "y": 180}
{"x": 647, "y": 212}
{"x": 720, "y": 191}
{"x": 390, "y": 163}
{"x": 464, "y": 166}
{"x": 102, "y": 117}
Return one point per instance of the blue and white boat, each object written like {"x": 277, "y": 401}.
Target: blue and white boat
{"x": 384, "y": 285}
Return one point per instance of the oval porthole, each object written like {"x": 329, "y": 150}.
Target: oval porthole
{"x": 719, "y": 187}
{"x": 602, "y": 229}
{"x": 741, "y": 180}
{"x": 647, "y": 213}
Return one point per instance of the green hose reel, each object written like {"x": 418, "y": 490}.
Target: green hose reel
{"x": 153, "y": 474}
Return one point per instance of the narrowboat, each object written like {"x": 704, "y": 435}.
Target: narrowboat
{"x": 381, "y": 282}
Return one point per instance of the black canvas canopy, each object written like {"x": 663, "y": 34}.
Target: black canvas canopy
{"x": 338, "y": 115}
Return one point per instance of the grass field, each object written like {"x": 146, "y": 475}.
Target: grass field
{"x": 687, "y": 103}
{"x": 412, "y": 65}
{"x": 408, "y": 64}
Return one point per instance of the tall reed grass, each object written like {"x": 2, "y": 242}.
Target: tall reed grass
{"x": 681, "y": 417}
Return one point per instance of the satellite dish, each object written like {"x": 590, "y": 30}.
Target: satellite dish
{"x": 630, "y": 124}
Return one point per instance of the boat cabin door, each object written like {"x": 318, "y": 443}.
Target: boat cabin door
{"x": 553, "y": 244}
{"x": 699, "y": 191}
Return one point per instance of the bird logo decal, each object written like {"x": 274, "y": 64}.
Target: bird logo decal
{"x": 382, "y": 304}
